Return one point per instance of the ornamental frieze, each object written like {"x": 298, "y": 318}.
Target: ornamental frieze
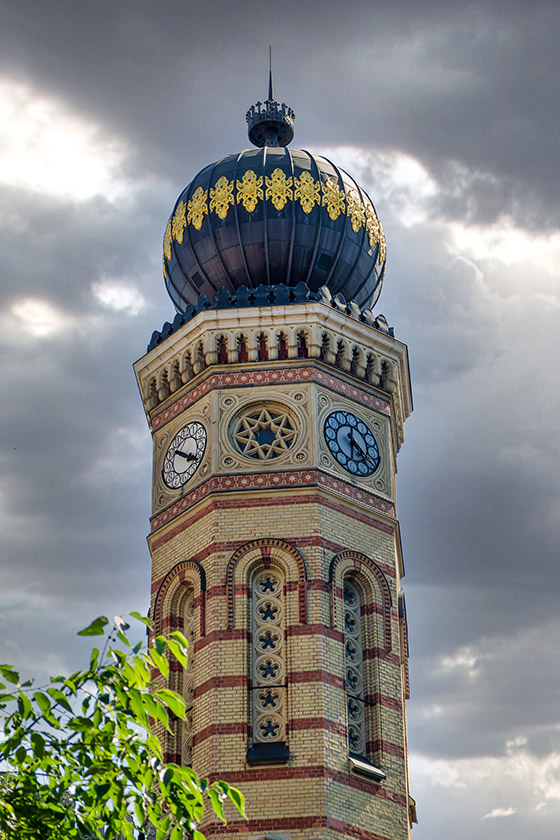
{"x": 279, "y": 189}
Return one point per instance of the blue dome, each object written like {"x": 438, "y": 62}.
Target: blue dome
{"x": 273, "y": 216}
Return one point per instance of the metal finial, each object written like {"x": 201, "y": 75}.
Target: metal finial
{"x": 272, "y": 124}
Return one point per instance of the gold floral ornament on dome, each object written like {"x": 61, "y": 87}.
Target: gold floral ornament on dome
{"x": 197, "y": 208}
{"x": 308, "y": 191}
{"x": 375, "y": 232}
{"x": 250, "y": 190}
{"x": 279, "y": 189}
{"x": 355, "y": 211}
{"x": 333, "y": 199}
{"x": 221, "y": 196}
{"x": 167, "y": 240}
{"x": 179, "y": 222}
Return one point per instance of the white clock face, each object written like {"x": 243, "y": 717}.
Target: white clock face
{"x": 184, "y": 455}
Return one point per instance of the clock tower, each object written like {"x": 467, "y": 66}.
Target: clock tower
{"x": 276, "y": 399}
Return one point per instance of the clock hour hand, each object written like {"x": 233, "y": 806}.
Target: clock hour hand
{"x": 188, "y": 455}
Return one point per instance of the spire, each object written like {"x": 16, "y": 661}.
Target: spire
{"x": 270, "y": 90}
{"x": 270, "y": 124}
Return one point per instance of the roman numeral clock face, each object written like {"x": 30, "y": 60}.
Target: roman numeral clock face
{"x": 184, "y": 454}
{"x": 352, "y": 443}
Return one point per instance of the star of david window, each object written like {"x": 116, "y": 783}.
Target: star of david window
{"x": 268, "y": 700}
{"x": 264, "y": 432}
{"x": 354, "y": 669}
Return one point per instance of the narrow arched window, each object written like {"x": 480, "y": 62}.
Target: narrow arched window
{"x": 268, "y": 689}
{"x": 189, "y": 631}
{"x": 353, "y": 653}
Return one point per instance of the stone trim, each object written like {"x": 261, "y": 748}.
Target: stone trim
{"x": 350, "y": 559}
{"x": 270, "y": 551}
{"x": 271, "y": 481}
{"x": 271, "y": 376}
{"x": 176, "y": 576}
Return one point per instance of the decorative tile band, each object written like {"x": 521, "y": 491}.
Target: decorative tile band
{"x": 270, "y": 377}
{"x": 267, "y": 481}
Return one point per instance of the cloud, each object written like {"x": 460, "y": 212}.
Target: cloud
{"x": 465, "y": 792}
{"x": 499, "y": 812}
{"x": 121, "y": 297}
{"x": 47, "y": 148}
{"x": 38, "y": 318}
{"x": 446, "y": 120}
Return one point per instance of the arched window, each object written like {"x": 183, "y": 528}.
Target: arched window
{"x": 354, "y": 665}
{"x": 268, "y": 577}
{"x": 180, "y": 604}
{"x": 268, "y": 688}
{"x": 361, "y": 609}
{"x": 189, "y": 631}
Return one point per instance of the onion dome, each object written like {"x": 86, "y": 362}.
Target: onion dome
{"x": 273, "y": 215}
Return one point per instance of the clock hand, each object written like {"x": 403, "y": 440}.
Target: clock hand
{"x": 352, "y": 442}
{"x": 188, "y": 455}
{"x": 364, "y": 453}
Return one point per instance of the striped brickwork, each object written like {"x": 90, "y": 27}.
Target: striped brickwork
{"x": 314, "y": 533}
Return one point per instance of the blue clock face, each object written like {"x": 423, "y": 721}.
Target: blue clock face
{"x": 352, "y": 443}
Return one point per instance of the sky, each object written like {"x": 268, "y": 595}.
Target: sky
{"x": 447, "y": 114}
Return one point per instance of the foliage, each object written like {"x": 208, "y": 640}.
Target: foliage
{"x": 81, "y": 755}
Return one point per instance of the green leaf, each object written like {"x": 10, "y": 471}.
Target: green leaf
{"x": 5, "y": 698}
{"x": 177, "y": 652}
{"x": 138, "y": 707}
{"x": 9, "y": 674}
{"x": 25, "y": 706}
{"x": 160, "y": 662}
{"x": 95, "y": 628}
{"x": 144, "y": 619}
{"x": 173, "y": 701}
{"x": 160, "y": 643}
{"x": 163, "y": 717}
{"x": 216, "y": 802}
{"x": 43, "y": 702}
{"x": 163, "y": 828}
{"x": 238, "y": 800}
{"x": 179, "y": 638}
{"x": 60, "y": 698}
{"x": 38, "y": 745}
{"x": 151, "y": 705}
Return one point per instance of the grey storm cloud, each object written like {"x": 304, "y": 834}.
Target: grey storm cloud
{"x": 447, "y": 114}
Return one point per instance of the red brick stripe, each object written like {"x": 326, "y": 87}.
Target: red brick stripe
{"x": 294, "y": 823}
{"x": 220, "y": 729}
{"x": 299, "y": 724}
{"x": 298, "y": 677}
{"x": 302, "y": 479}
{"x": 280, "y": 773}
{"x": 222, "y": 636}
{"x": 220, "y": 682}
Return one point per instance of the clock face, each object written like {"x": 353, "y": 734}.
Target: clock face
{"x": 184, "y": 455}
{"x": 352, "y": 443}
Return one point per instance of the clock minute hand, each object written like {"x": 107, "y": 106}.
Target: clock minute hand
{"x": 188, "y": 455}
{"x": 362, "y": 451}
